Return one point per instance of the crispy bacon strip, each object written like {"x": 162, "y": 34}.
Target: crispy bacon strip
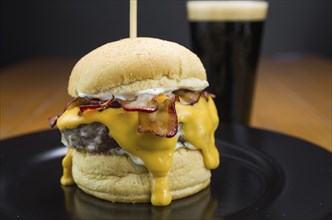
{"x": 141, "y": 104}
{"x": 207, "y": 94}
{"x": 52, "y": 120}
{"x": 71, "y": 104}
{"x": 163, "y": 122}
{"x": 115, "y": 103}
{"x": 76, "y": 102}
{"x": 188, "y": 97}
{"x": 96, "y": 105}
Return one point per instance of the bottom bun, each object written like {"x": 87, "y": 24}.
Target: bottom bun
{"x": 116, "y": 178}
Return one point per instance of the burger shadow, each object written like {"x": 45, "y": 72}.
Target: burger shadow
{"x": 80, "y": 205}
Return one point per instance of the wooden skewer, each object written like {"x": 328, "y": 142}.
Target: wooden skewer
{"x": 133, "y": 18}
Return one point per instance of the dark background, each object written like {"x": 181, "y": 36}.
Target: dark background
{"x": 72, "y": 28}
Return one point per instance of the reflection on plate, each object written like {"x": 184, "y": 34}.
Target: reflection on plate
{"x": 263, "y": 175}
{"x": 83, "y": 206}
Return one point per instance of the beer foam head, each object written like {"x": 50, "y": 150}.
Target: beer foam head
{"x": 227, "y": 10}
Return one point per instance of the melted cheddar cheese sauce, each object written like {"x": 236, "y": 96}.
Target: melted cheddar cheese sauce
{"x": 199, "y": 122}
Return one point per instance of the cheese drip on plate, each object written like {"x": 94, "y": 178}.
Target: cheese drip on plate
{"x": 199, "y": 122}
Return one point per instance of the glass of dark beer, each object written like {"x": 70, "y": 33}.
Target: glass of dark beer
{"x": 226, "y": 36}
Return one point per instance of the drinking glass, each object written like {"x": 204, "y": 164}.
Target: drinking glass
{"x": 226, "y": 36}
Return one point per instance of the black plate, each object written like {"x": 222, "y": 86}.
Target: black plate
{"x": 263, "y": 175}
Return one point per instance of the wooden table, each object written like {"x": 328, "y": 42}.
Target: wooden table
{"x": 293, "y": 96}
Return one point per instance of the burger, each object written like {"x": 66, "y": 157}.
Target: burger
{"x": 140, "y": 127}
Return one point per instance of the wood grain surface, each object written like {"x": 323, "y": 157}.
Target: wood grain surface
{"x": 292, "y": 96}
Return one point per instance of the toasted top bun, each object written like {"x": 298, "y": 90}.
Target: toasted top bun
{"x": 134, "y": 64}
